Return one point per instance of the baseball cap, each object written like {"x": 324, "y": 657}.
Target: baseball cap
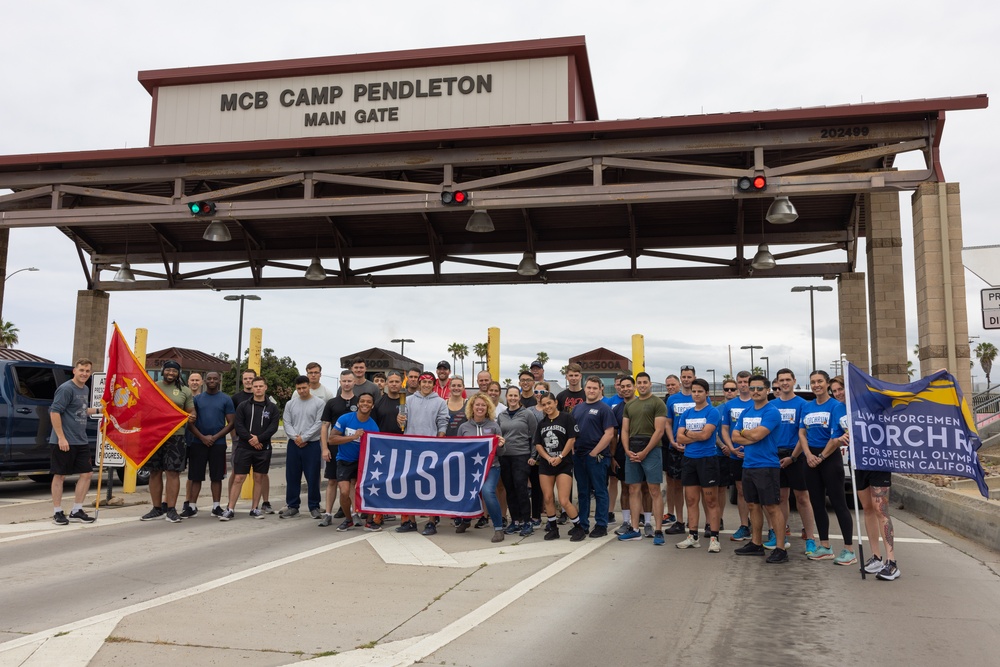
{"x": 538, "y": 363}
{"x": 444, "y": 364}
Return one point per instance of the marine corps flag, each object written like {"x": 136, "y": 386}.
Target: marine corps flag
{"x": 138, "y": 417}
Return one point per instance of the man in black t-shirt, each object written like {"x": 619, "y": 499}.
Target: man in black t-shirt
{"x": 342, "y": 403}
{"x": 573, "y": 395}
{"x": 246, "y": 378}
{"x": 387, "y": 406}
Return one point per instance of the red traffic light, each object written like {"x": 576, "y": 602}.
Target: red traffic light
{"x": 454, "y": 198}
{"x": 755, "y": 184}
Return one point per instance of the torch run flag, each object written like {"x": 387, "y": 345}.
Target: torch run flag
{"x": 404, "y": 474}
{"x": 924, "y": 427}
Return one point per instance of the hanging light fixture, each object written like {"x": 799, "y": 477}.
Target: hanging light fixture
{"x": 528, "y": 266}
{"x": 315, "y": 270}
{"x": 782, "y": 211}
{"x": 763, "y": 259}
{"x": 480, "y": 222}
{"x": 124, "y": 274}
{"x": 217, "y": 232}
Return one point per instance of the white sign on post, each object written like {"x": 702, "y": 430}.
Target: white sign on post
{"x": 97, "y": 381}
{"x": 991, "y": 307}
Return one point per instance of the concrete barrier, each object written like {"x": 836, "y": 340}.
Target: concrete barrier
{"x": 976, "y": 519}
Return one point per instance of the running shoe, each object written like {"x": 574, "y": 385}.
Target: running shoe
{"x": 888, "y": 573}
{"x": 874, "y": 565}
{"x": 750, "y": 549}
{"x": 563, "y": 518}
{"x": 676, "y": 528}
{"x": 514, "y": 527}
{"x": 346, "y": 525}
{"x": 713, "y": 545}
{"x": 80, "y": 516}
{"x": 152, "y": 515}
{"x": 256, "y": 513}
{"x": 741, "y": 535}
{"x": 405, "y": 527}
{"x": 188, "y": 511}
{"x": 630, "y": 535}
{"x": 59, "y": 518}
{"x": 536, "y": 523}
{"x": 527, "y": 528}
{"x": 624, "y": 528}
{"x": 658, "y": 540}
{"x": 373, "y": 527}
{"x": 788, "y": 531}
{"x": 777, "y": 556}
{"x": 822, "y": 553}
{"x": 689, "y": 542}
{"x": 599, "y": 531}
{"x": 429, "y": 529}
{"x": 553, "y": 533}
{"x": 328, "y": 521}
{"x": 339, "y": 514}
{"x": 845, "y": 557}
{"x": 772, "y": 542}
{"x": 810, "y": 547}
{"x": 288, "y": 512}
{"x": 483, "y": 522}
{"x": 266, "y": 508}
{"x": 172, "y": 516}
{"x": 315, "y": 513}
{"x": 611, "y": 518}
{"x": 647, "y": 530}
{"x": 227, "y": 514}
{"x": 577, "y": 533}
{"x": 668, "y": 519}
{"x": 217, "y": 511}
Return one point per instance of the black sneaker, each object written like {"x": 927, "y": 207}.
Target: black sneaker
{"x": 227, "y": 515}
{"x": 172, "y": 516}
{"x": 708, "y": 530}
{"x": 80, "y": 516}
{"x": 327, "y": 521}
{"x": 611, "y": 518}
{"x": 345, "y": 526}
{"x": 599, "y": 531}
{"x": 339, "y": 514}
{"x": 266, "y": 508}
{"x": 563, "y": 518}
{"x": 59, "y": 518}
{"x": 676, "y": 528}
{"x": 777, "y": 556}
{"x": 153, "y": 514}
{"x": 750, "y": 549}
{"x": 188, "y": 511}
{"x": 888, "y": 573}
{"x": 483, "y": 522}
{"x": 552, "y": 532}
{"x": 577, "y": 533}
{"x": 407, "y": 527}
{"x": 429, "y": 529}
{"x": 217, "y": 510}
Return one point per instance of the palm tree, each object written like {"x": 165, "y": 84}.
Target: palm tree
{"x": 542, "y": 357}
{"x": 462, "y": 352}
{"x": 481, "y": 350}
{"x": 8, "y": 334}
{"x": 986, "y": 353}
{"x": 453, "y": 351}
{"x": 523, "y": 369}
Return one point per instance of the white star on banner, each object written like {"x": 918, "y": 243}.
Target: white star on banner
{"x": 377, "y": 458}
{"x": 376, "y": 474}
{"x": 472, "y": 494}
{"x": 478, "y": 459}
{"x": 373, "y": 490}
{"x": 476, "y": 476}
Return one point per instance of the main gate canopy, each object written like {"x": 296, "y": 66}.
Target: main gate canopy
{"x": 644, "y": 199}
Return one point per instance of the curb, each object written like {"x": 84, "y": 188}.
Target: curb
{"x": 975, "y": 519}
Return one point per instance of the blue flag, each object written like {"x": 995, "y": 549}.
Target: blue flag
{"x": 924, "y": 427}
{"x": 404, "y": 474}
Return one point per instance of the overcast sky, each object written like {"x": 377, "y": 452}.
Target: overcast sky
{"x": 69, "y": 83}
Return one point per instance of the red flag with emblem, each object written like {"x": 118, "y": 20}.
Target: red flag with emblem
{"x": 138, "y": 417}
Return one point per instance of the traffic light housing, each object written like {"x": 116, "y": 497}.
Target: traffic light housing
{"x": 454, "y": 198}
{"x": 201, "y": 209}
{"x": 756, "y": 183}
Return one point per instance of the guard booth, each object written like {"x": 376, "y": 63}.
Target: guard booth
{"x": 605, "y": 364}
{"x": 191, "y": 361}
{"x": 380, "y": 360}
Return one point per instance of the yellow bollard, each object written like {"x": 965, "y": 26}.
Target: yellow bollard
{"x": 253, "y": 363}
{"x": 638, "y": 354}
{"x": 493, "y": 352}
{"x": 128, "y": 486}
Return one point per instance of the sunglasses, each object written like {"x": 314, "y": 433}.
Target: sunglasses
{"x": 729, "y": 389}
{"x": 758, "y": 388}
{"x": 687, "y": 368}
{"x": 539, "y": 391}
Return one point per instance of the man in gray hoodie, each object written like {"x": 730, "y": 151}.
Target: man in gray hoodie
{"x": 426, "y": 414}
{"x": 303, "y": 419}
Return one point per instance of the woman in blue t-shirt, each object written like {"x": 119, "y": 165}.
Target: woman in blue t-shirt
{"x": 820, "y": 437}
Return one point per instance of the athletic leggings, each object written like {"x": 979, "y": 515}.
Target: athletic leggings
{"x": 827, "y": 481}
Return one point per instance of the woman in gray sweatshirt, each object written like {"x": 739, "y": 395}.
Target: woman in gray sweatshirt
{"x": 517, "y": 425}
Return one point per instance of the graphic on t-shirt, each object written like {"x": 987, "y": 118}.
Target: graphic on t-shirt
{"x": 787, "y": 415}
{"x": 750, "y": 423}
{"x": 816, "y": 419}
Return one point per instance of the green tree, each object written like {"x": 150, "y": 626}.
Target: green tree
{"x": 462, "y": 352}
{"x": 8, "y": 334}
{"x": 542, "y": 357}
{"x": 280, "y": 373}
{"x": 481, "y": 350}
{"x": 507, "y": 382}
{"x": 523, "y": 368}
{"x": 453, "y": 351}
{"x": 986, "y": 353}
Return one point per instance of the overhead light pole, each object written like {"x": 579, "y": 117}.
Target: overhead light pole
{"x": 239, "y": 338}
{"x": 712, "y": 371}
{"x": 812, "y": 313}
{"x": 751, "y": 348}
{"x": 402, "y": 344}
{"x": 767, "y": 360}
{"x": 8, "y": 277}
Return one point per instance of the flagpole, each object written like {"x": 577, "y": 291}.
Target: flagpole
{"x": 853, "y": 460}
{"x": 100, "y": 470}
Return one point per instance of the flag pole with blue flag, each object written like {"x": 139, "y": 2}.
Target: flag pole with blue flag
{"x": 845, "y": 364}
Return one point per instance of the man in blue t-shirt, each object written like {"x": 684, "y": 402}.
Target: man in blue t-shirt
{"x": 346, "y": 434}
{"x": 207, "y": 446}
{"x": 590, "y": 455}
{"x": 761, "y": 468}
{"x": 673, "y": 457}
{"x": 793, "y": 463}
{"x": 737, "y": 394}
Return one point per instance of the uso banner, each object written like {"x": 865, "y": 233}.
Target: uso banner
{"x": 924, "y": 427}
{"x": 404, "y": 474}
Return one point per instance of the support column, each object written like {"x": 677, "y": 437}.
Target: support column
{"x": 853, "y": 318}
{"x": 942, "y": 318}
{"x": 90, "y": 336}
{"x": 885, "y": 287}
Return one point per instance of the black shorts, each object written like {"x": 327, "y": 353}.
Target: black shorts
{"x": 74, "y": 462}
{"x": 725, "y": 474}
{"x": 702, "y": 471}
{"x": 200, "y": 457}
{"x": 866, "y": 478}
{"x": 347, "y": 471}
{"x": 761, "y": 486}
{"x": 564, "y": 467}
{"x": 171, "y": 456}
{"x": 620, "y": 460}
{"x": 735, "y": 469}
{"x": 245, "y": 458}
{"x": 794, "y": 476}
{"x": 673, "y": 462}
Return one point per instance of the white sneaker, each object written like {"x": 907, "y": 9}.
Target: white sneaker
{"x": 874, "y": 565}
{"x": 713, "y": 546}
{"x": 690, "y": 542}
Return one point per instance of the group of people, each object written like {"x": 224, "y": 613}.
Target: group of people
{"x": 621, "y": 446}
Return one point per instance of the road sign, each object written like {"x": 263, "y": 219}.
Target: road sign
{"x": 112, "y": 457}
{"x": 991, "y": 307}
{"x": 97, "y": 390}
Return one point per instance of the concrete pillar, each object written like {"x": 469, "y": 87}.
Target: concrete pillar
{"x": 90, "y": 336}
{"x": 885, "y": 287}
{"x": 942, "y": 319}
{"x": 853, "y": 318}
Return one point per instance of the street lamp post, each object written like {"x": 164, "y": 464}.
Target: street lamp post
{"x": 712, "y": 371}
{"x": 812, "y": 313}
{"x": 751, "y": 348}
{"x": 239, "y": 338}
{"x": 8, "y": 277}
{"x": 767, "y": 360}
{"x": 402, "y": 344}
